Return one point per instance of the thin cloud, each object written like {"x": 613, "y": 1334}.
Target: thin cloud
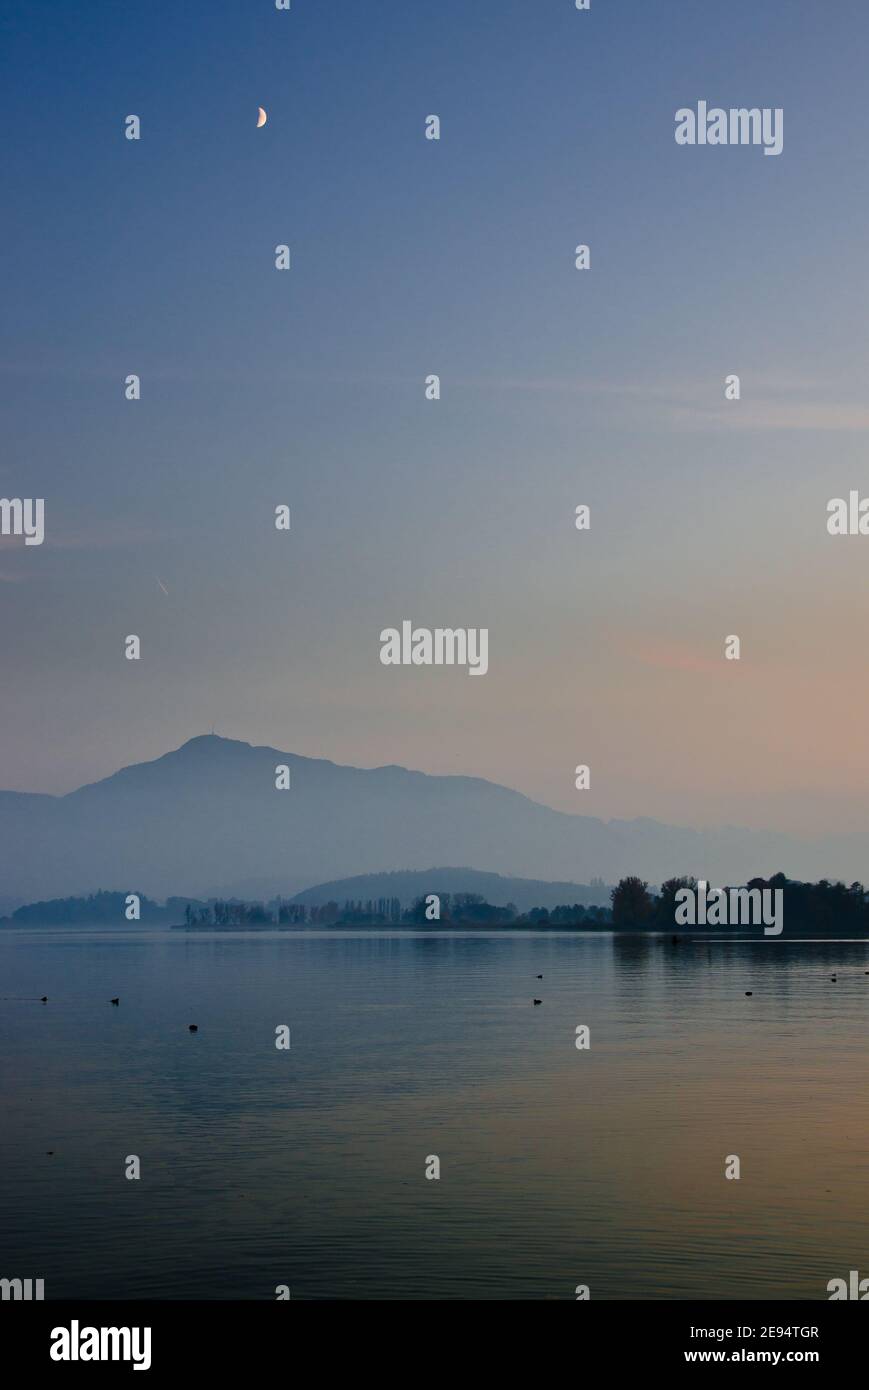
{"x": 674, "y": 656}
{"x": 769, "y": 415}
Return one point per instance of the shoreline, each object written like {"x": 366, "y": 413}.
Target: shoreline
{"x": 693, "y": 936}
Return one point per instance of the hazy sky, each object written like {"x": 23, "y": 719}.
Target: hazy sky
{"x": 411, "y": 257}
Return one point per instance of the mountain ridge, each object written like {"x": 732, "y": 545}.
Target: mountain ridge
{"x": 205, "y": 819}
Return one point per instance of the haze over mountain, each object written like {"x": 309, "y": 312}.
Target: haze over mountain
{"x": 206, "y": 818}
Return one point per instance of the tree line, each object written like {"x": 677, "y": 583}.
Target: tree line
{"x": 825, "y": 906}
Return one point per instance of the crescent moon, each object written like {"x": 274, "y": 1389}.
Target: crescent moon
{"x": 261, "y": 118}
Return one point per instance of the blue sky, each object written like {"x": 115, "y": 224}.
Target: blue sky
{"x": 559, "y": 387}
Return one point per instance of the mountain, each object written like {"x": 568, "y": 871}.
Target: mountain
{"x": 409, "y": 884}
{"x": 207, "y": 819}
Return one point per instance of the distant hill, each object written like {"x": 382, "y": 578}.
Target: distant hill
{"x": 206, "y": 819}
{"x": 408, "y": 885}
{"x": 98, "y": 909}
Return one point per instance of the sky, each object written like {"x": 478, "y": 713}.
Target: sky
{"x": 559, "y": 388}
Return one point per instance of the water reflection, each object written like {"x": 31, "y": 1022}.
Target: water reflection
{"x": 306, "y": 1167}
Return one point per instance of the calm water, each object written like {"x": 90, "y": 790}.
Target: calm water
{"x": 558, "y": 1167}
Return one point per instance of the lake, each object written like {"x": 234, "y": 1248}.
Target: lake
{"x": 306, "y": 1167}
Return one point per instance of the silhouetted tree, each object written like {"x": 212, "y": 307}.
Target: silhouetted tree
{"x": 665, "y": 903}
{"x": 632, "y": 903}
